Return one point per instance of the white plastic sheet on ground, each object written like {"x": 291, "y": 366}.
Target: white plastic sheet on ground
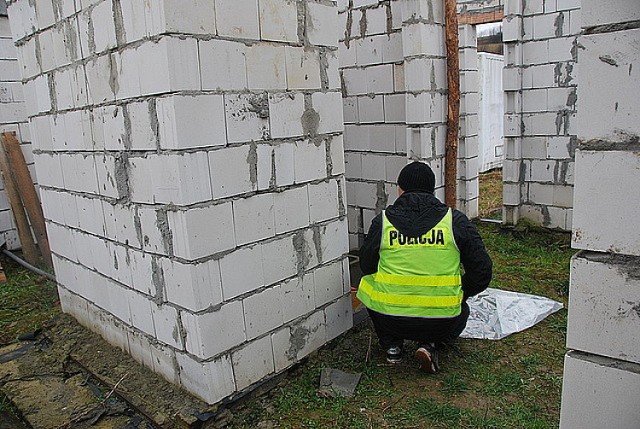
{"x": 495, "y": 314}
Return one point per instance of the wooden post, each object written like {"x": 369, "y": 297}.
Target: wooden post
{"x": 27, "y": 191}
{"x": 29, "y": 250}
{"x": 453, "y": 117}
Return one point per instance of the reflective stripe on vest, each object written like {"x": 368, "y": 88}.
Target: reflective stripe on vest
{"x": 418, "y": 277}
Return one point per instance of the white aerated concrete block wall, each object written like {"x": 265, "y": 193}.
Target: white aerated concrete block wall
{"x": 393, "y": 69}
{"x": 540, "y": 83}
{"x": 192, "y": 172}
{"x": 604, "y": 314}
{"x": 13, "y": 118}
{"x": 468, "y": 160}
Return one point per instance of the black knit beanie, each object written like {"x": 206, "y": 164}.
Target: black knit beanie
{"x": 417, "y": 176}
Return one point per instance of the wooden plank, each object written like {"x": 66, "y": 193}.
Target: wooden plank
{"x": 29, "y": 249}
{"x": 481, "y": 17}
{"x": 453, "y": 102}
{"x": 27, "y": 191}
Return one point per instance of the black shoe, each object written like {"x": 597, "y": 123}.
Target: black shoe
{"x": 394, "y": 354}
{"x": 427, "y": 357}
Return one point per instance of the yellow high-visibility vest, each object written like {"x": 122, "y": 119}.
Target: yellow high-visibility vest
{"x": 416, "y": 277}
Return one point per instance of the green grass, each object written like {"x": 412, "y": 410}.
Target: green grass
{"x": 27, "y": 301}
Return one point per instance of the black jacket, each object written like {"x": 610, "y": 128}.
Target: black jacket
{"x": 414, "y": 214}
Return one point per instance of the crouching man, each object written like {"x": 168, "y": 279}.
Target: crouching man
{"x": 411, "y": 260}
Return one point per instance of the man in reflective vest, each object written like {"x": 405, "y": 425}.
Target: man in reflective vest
{"x": 411, "y": 260}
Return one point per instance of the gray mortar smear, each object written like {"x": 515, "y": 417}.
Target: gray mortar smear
{"x": 381, "y": 196}
{"x": 328, "y": 157}
{"x": 347, "y": 30}
{"x": 432, "y": 78}
{"x": 162, "y": 222}
{"x": 562, "y": 123}
{"x": 91, "y": 30}
{"x": 572, "y": 99}
{"x": 297, "y": 340}
{"x": 38, "y": 53}
{"x": 70, "y": 41}
{"x": 302, "y": 253}
{"x": 126, "y": 137}
{"x": 546, "y": 216}
{"x": 259, "y": 104}
{"x": 57, "y": 10}
{"x": 324, "y": 67}
{"x": 115, "y": 260}
{"x": 559, "y": 23}
{"x": 624, "y": 141}
{"x": 342, "y": 210}
{"x": 113, "y": 75}
{"x": 118, "y": 19}
{"x": 310, "y": 121}
{"x": 523, "y": 172}
{"x": 627, "y": 265}
{"x": 430, "y": 16}
{"x": 52, "y": 92}
{"x": 157, "y": 277}
{"x": 389, "y": 19}
{"x": 121, "y": 172}
{"x": 318, "y": 232}
{"x": 252, "y": 160}
{"x": 363, "y": 23}
{"x": 137, "y": 223}
{"x": 273, "y": 179}
{"x": 155, "y": 124}
{"x": 301, "y": 11}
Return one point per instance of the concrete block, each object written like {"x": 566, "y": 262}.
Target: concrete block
{"x": 231, "y": 171}
{"x": 285, "y": 115}
{"x": 238, "y": 19}
{"x": 142, "y": 129}
{"x": 180, "y": 179}
{"x": 369, "y": 50}
{"x": 377, "y": 20}
{"x": 339, "y": 317}
{"x": 310, "y": 161}
{"x": 333, "y": 241}
{"x": 285, "y": 164}
{"x": 44, "y": 14}
{"x": 332, "y": 70}
{"x": 603, "y": 323}
{"x": 347, "y": 55}
{"x": 560, "y": 147}
{"x": 227, "y": 322}
{"x": 373, "y": 167}
{"x": 350, "y": 110}
{"x": 104, "y": 32}
{"x": 298, "y": 297}
{"x": 329, "y": 107}
{"x": 196, "y": 236}
{"x": 266, "y": 67}
{"x": 253, "y": 362}
{"x": 394, "y": 108}
{"x": 321, "y": 24}
{"x": 328, "y": 283}
{"x": 191, "y": 121}
{"x": 278, "y": 20}
{"x": 541, "y": 194}
{"x": 323, "y": 201}
{"x": 534, "y": 100}
{"x": 423, "y": 39}
{"x": 371, "y": 109}
{"x": 241, "y": 272}
{"x": 263, "y": 312}
{"x": 280, "y": 258}
{"x": 594, "y": 13}
{"x": 425, "y": 108}
{"x": 610, "y": 75}
{"x": 165, "y": 320}
{"x": 195, "y": 17}
{"x": 380, "y": 79}
{"x": 293, "y": 343}
{"x": 336, "y": 152}
{"x": 594, "y": 227}
{"x": 247, "y": 117}
{"x": 561, "y": 49}
{"x": 291, "y": 210}
{"x": 357, "y": 84}
{"x": 140, "y": 309}
{"x": 253, "y": 218}
{"x": 142, "y": 266}
{"x": 598, "y": 391}
{"x": 210, "y": 381}
{"x": 222, "y": 64}
{"x": 302, "y": 69}
{"x": 194, "y": 287}
{"x": 165, "y": 363}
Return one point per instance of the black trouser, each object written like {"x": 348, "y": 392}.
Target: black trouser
{"x": 393, "y": 330}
